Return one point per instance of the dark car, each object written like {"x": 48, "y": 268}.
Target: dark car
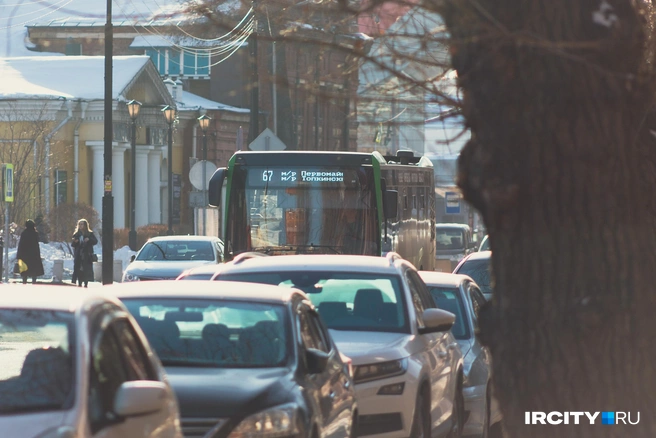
{"x": 477, "y": 266}
{"x": 246, "y": 360}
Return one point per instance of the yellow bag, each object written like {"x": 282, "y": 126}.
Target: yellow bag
{"x": 22, "y": 266}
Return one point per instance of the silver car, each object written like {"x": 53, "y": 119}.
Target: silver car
{"x": 459, "y": 295}
{"x": 166, "y": 257}
{"x": 75, "y": 364}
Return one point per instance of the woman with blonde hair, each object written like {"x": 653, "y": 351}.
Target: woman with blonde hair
{"x": 83, "y": 242}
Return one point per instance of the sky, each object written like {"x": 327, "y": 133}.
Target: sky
{"x": 16, "y": 14}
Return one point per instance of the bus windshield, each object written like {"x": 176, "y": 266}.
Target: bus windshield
{"x": 310, "y": 209}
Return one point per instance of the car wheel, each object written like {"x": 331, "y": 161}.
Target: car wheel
{"x": 457, "y": 412}
{"x": 421, "y": 423}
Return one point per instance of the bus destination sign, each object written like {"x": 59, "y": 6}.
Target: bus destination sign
{"x": 294, "y": 176}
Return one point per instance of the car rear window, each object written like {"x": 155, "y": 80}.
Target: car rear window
{"x": 345, "y": 300}
{"x": 37, "y": 360}
{"x": 214, "y": 333}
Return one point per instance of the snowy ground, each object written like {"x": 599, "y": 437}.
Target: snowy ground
{"x": 59, "y": 251}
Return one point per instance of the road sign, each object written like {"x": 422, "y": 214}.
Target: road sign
{"x": 267, "y": 141}
{"x": 9, "y": 183}
{"x": 196, "y": 174}
{"x": 452, "y": 202}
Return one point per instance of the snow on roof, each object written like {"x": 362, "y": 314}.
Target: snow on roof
{"x": 70, "y": 77}
{"x": 15, "y": 17}
{"x": 160, "y": 41}
{"x": 192, "y": 102}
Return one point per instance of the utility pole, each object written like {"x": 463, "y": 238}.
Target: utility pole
{"x": 108, "y": 199}
{"x": 253, "y": 127}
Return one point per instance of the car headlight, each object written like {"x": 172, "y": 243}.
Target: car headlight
{"x": 381, "y": 370}
{"x": 280, "y": 421}
{"x": 130, "y": 277}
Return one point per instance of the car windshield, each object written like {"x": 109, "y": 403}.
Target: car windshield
{"x": 345, "y": 301}
{"x": 177, "y": 250}
{"x": 449, "y": 238}
{"x": 479, "y": 271}
{"x": 449, "y": 299}
{"x": 36, "y": 364}
{"x": 213, "y": 333}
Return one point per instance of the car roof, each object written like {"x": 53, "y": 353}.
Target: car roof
{"x": 479, "y": 255}
{"x": 316, "y": 262}
{"x": 182, "y": 238}
{"x": 204, "y": 269}
{"x": 203, "y": 289}
{"x": 49, "y": 297}
{"x": 432, "y": 278}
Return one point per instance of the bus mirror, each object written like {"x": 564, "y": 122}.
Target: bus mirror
{"x": 390, "y": 203}
{"x": 215, "y": 187}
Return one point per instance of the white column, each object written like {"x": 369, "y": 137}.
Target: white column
{"x": 141, "y": 179}
{"x": 154, "y": 190}
{"x": 118, "y": 184}
{"x": 97, "y": 188}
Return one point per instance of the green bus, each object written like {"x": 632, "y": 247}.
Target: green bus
{"x": 291, "y": 202}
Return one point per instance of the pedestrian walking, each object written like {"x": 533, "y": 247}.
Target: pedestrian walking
{"x": 83, "y": 242}
{"x": 29, "y": 252}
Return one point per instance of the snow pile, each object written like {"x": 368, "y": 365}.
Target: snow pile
{"x": 61, "y": 251}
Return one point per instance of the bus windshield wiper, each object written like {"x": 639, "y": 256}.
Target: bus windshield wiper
{"x": 330, "y": 247}
{"x": 293, "y": 248}
{"x": 269, "y": 249}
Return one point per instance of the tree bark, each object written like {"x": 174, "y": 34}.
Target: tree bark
{"x": 559, "y": 96}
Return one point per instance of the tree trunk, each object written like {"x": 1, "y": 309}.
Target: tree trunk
{"x": 559, "y": 96}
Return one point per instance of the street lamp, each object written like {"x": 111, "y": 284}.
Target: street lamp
{"x": 169, "y": 115}
{"x": 204, "y": 122}
{"x": 133, "y": 109}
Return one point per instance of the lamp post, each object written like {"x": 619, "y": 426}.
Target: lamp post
{"x": 133, "y": 109}
{"x": 204, "y": 122}
{"x": 169, "y": 115}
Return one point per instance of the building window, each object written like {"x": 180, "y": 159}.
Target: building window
{"x": 61, "y": 185}
{"x": 73, "y": 48}
{"x": 174, "y": 62}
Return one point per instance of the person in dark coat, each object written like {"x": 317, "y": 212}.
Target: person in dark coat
{"x": 29, "y": 252}
{"x": 83, "y": 242}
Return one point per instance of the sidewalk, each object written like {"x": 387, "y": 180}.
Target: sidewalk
{"x": 50, "y": 282}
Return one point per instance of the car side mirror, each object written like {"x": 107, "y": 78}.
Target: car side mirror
{"x": 215, "y": 187}
{"x": 132, "y": 257}
{"x": 317, "y": 360}
{"x": 139, "y": 397}
{"x": 437, "y": 320}
{"x": 390, "y": 203}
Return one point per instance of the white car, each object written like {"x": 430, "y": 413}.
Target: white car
{"x": 166, "y": 257}
{"x": 76, "y": 365}
{"x": 407, "y": 364}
